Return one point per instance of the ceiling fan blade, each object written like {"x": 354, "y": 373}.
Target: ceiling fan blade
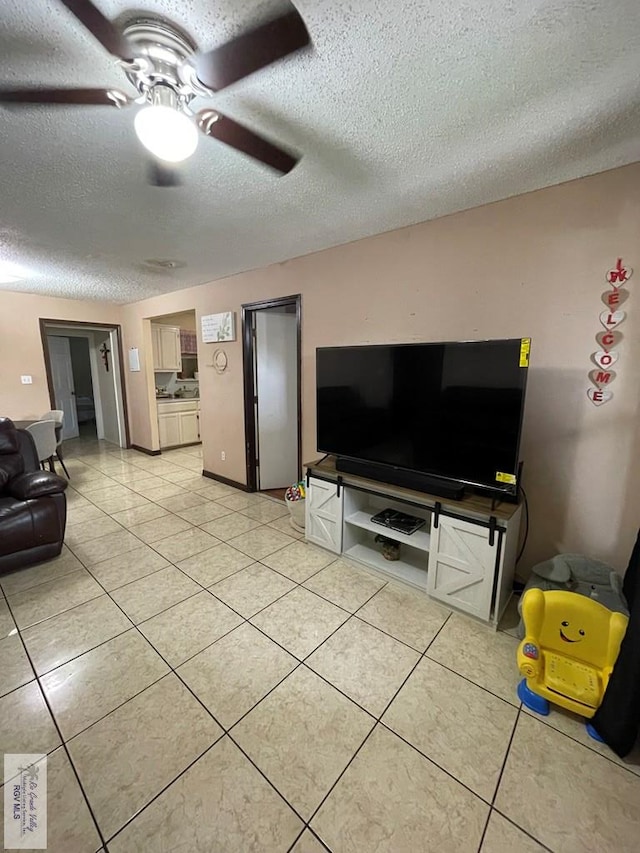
{"x": 250, "y": 52}
{"x": 69, "y": 97}
{"x": 100, "y": 27}
{"x": 161, "y": 174}
{"x": 237, "y": 136}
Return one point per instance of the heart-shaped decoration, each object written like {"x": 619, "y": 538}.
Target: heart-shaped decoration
{"x": 602, "y": 378}
{"x": 612, "y": 319}
{"x": 619, "y": 274}
{"x": 615, "y": 297}
{"x": 608, "y": 340}
{"x": 599, "y": 397}
{"x": 605, "y": 360}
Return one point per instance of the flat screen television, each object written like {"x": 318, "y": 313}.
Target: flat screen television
{"x": 426, "y": 415}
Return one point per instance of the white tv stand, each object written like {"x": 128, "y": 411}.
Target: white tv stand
{"x": 464, "y": 555}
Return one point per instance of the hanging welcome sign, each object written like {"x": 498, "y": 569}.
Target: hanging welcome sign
{"x": 608, "y": 340}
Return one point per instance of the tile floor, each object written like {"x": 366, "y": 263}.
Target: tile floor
{"x": 202, "y": 680}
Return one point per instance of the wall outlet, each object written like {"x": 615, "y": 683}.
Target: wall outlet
{"x": 26, "y": 380}
{"x": 223, "y": 456}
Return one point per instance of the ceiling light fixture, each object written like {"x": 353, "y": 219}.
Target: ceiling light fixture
{"x": 164, "y": 129}
{"x": 164, "y": 66}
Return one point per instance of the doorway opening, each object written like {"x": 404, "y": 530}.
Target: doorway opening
{"x": 85, "y": 376}
{"x": 271, "y": 335}
{"x": 174, "y": 381}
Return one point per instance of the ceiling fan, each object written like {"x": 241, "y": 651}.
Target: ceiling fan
{"x": 163, "y": 64}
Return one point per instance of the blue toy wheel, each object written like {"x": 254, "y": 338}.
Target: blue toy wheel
{"x": 594, "y": 734}
{"x": 531, "y": 700}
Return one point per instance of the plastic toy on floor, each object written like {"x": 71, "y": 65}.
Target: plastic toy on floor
{"x": 577, "y": 573}
{"x": 571, "y": 644}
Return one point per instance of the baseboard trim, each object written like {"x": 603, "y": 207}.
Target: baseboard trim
{"x": 226, "y": 481}
{"x": 145, "y": 450}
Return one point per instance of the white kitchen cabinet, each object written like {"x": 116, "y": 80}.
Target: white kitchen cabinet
{"x": 178, "y": 422}
{"x": 189, "y": 427}
{"x": 169, "y": 429}
{"x": 166, "y": 347}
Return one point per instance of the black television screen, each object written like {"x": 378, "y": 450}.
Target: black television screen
{"x": 449, "y": 410}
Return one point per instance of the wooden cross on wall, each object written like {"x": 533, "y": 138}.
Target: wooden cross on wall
{"x": 104, "y": 352}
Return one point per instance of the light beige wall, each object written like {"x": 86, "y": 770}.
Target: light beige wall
{"x": 528, "y": 266}
{"x": 21, "y": 345}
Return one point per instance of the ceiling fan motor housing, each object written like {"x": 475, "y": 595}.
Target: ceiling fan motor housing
{"x": 162, "y": 71}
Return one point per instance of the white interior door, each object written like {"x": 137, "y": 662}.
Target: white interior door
{"x": 63, "y": 389}
{"x": 117, "y": 382}
{"x": 276, "y": 371}
{"x": 107, "y": 389}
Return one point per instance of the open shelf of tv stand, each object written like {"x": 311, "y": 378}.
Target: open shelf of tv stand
{"x": 419, "y": 539}
{"x": 405, "y": 569}
{"x": 463, "y": 556}
{"x": 359, "y": 534}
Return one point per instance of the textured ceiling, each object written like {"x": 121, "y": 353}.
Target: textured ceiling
{"x": 405, "y": 110}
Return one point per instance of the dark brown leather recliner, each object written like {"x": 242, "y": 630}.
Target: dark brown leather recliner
{"x": 33, "y": 506}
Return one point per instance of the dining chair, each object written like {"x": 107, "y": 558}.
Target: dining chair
{"x": 57, "y": 415}
{"x": 44, "y": 437}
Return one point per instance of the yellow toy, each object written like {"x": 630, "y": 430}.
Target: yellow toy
{"x": 571, "y": 644}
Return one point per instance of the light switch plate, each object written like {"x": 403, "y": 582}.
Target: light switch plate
{"x": 26, "y": 380}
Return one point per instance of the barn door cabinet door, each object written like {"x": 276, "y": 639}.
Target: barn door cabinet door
{"x": 324, "y": 515}
{"x": 462, "y": 566}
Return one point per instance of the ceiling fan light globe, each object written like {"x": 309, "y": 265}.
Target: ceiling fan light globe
{"x": 167, "y": 133}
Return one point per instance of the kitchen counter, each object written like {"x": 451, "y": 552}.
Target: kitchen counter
{"x": 178, "y": 403}
{"x": 177, "y": 396}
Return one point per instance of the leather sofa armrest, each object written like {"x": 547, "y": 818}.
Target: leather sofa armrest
{"x": 36, "y": 484}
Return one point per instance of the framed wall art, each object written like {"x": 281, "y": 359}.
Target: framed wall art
{"x": 218, "y": 327}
